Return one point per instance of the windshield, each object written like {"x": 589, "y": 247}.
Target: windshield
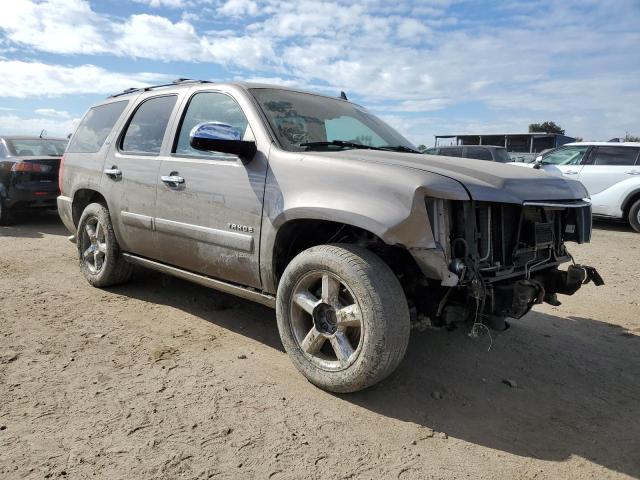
{"x": 36, "y": 147}
{"x": 303, "y": 118}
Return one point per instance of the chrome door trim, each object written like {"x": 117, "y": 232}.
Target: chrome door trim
{"x": 235, "y": 240}
{"x": 239, "y": 291}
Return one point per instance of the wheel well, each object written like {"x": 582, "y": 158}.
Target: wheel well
{"x": 81, "y": 199}
{"x": 626, "y": 207}
{"x": 298, "y": 235}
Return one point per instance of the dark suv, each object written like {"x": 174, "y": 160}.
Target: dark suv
{"x": 28, "y": 174}
{"x": 314, "y": 206}
{"x": 478, "y": 152}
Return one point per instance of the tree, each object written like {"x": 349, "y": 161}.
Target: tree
{"x": 422, "y": 148}
{"x": 579, "y": 139}
{"x": 547, "y": 127}
{"x": 630, "y": 138}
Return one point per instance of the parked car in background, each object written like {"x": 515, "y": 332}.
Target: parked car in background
{"x": 28, "y": 174}
{"x": 609, "y": 170}
{"x": 314, "y": 206}
{"x": 478, "y": 152}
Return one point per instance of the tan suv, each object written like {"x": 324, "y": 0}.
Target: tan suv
{"x": 314, "y": 206}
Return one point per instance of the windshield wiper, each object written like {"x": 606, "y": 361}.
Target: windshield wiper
{"x": 339, "y": 143}
{"x": 400, "y": 148}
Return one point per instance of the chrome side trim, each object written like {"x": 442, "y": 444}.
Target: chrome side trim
{"x": 242, "y": 292}
{"x": 235, "y": 240}
{"x": 576, "y": 204}
{"x": 136, "y": 220}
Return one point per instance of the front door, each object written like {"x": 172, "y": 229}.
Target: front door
{"x": 131, "y": 172}
{"x": 209, "y": 205}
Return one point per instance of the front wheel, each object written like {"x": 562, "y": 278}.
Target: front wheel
{"x": 342, "y": 316}
{"x": 98, "y": 250}
{"x": 634, "y": 216}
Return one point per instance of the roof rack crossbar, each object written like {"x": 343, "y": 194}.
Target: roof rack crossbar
{"x": 178, "y": 81}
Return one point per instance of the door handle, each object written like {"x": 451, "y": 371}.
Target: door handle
{"x": 571, "y": 172}
{"x": 173, "y": 179}
{"x": 633, "y": 172}
{"x": 114, "y": 172}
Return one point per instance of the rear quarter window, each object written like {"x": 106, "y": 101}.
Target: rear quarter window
{"x": 621, "y": 156}
{"x": 95, "y": 127}
{"x": 478, "y": 153}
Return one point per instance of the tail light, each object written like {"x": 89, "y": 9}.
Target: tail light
{"x": 26, "y": 167}
{"x": 60, "y": 175}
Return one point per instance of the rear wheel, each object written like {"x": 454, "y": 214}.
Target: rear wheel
{"x": 342, "y": 316}
{"x": 98, "y": 250}
{"x": 634, "y": 216}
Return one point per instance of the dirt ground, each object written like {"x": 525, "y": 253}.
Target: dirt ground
{"x": 164, "y": 379}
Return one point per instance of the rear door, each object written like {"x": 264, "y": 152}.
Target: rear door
{"x": 608, "y": 165}
{"x": 210, "y": 221}
{"x": 131, "y": 170}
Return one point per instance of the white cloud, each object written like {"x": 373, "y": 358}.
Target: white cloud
{"x": 238, "y": 8}
{"x": 52, "y": 112}
{"x": 35, "y": 79}
{"x": 164, "y": 3}
{"x": 14, "y": 125}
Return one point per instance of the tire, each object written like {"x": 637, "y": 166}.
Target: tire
{"x": 7, "y": 216}
{"x": 99, "y": 254}
{"x": 370, "y": 314}
{"x": 634, "y": 216}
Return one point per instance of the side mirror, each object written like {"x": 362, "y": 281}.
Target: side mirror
{"x": 221, "y": 137}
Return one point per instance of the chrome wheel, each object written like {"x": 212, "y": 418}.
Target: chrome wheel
{"x": 326, "y": 320}
{"x": 94, "y": 245}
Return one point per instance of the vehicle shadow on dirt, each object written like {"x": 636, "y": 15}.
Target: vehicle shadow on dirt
{"x": 35, "y": 224}
{"x": 612, "y": 225}
{"x": 575, "y": 382}
{"x": 575, "y": 390}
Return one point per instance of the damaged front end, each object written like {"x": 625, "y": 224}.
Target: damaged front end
{"x": 505, "y": 258}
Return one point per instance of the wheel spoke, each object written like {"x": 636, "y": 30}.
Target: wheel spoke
{"x": 88, "y": 252}
{"x": 98, "y": 230}
{"x": 330, "y": 289}
{"x": 350, "y": 316}
{"x": 102, "y": 247}
{"x": 313, "y": 342}
{"x": 306, "y": 300}
{"x": 342, "y": 347}
{"x": 96, "y": 260}
{"x": 90, "y": 231}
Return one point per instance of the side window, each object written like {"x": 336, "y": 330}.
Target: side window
{"x": 478, "y": 153}
{"x": 615, "y": 156}
{"x": 210, "y": 107}
{"x": 147, "y": 126}
{"x": 565, "y": 156}
{"x": 95, "y": 127}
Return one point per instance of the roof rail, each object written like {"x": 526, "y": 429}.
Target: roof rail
{"x": 177, "y": 81}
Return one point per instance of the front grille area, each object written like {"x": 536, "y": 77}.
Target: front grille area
{"x": 502, "y": 239}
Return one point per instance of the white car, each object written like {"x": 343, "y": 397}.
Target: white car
{"x": 610, "y": 172}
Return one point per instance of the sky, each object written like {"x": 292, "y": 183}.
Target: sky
{"x": 426, "y": 67}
